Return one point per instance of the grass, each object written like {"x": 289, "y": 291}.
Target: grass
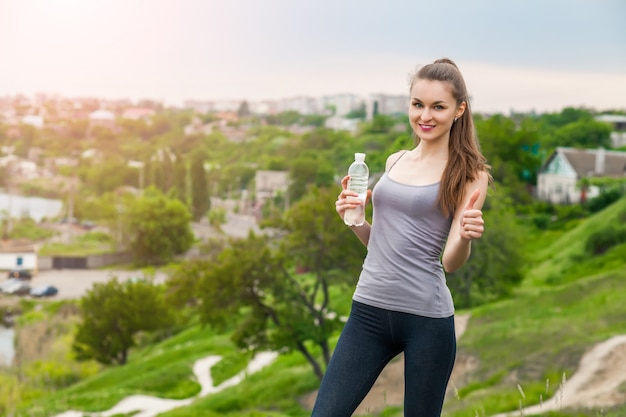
{"x": 560, "y": 261}
{"x": 78, "y": 248}
{"x": 524, "y": 345}
{"x": 535, "y": 338}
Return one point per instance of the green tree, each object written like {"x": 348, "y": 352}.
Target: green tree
{"x": 307, "y": 171}
{"x": 564, "y": 117}
{"x": 256, "y": 285}
{"x": 158, "y": 228}
{"x": 512, "y": 152}
{"x": 200, "y": 202}
{"x": 113, "y": 313}
{"x": 244, "y": 110}
{"x": 381, "y": 123}
{"x": 286, "y": 118}
{"x": 107, "y": 175}
{"x": 583, "y": 134}
{"x": 180, "y": 178}
{"x": 28, "y": 138}
{"x": 359, "y": 113}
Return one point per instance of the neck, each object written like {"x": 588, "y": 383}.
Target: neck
{"x": 432, "y": 150}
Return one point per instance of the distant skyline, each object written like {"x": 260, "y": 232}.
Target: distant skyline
{"x": 539, "y": 55}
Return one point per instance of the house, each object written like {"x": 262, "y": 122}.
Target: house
{"x": 18, "y": 255}
{"x": 198, "y": 127}
{"x": 341, "y": 123}
{"x": 102, "y": 118}
{"x": 559, "y": 176}
{"x": 33, "y": 120}
{"x": 618, "y": 126}
{"x": 270, "y": 183}
{"x": 19, "y": 168}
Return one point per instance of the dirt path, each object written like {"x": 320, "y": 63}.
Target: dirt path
{"x": 146, "y": 406}
{"x": 596, "y": 383}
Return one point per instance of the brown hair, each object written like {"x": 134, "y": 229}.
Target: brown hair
{"x": 465, "y": 161}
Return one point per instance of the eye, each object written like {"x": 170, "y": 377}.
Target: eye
{"x": 418, "y": 105}
{"x": 439, "y": 107}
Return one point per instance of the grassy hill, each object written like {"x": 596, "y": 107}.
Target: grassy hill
{"x": 568, "y": 302}
{"x": 565, "y": 259}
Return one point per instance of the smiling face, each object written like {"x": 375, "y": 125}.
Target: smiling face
{"x": 432, "y": 109}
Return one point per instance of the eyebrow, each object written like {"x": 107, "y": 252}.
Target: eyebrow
{"x": 434, "y": 103}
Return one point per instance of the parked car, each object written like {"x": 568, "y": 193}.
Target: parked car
{"x": 18, "y": 288}
{"x": 44, "y": 291}
{"x": 19, "y": 273}
{"x": 8, "y": 283}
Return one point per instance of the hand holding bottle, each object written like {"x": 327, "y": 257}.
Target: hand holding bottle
{"x": 349, "y": 200}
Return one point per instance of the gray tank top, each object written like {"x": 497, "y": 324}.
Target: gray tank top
{"x": 402, "y": 270}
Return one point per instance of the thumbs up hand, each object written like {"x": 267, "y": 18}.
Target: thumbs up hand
{"x": 472, "y": 223}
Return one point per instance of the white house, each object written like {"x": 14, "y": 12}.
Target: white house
{"x": 102, "y": 117}
{"x": 33, "y": 120}
{"x": 18, "y": 256}
{"x": 558, "y": 178}
{"x": 341, "y": 123}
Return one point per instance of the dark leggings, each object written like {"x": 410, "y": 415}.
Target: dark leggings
{"x": 370, "y": 339}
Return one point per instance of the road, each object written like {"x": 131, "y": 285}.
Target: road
{"x": 74, "y": 283}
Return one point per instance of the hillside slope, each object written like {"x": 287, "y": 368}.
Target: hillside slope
{"x": 515, "y": 352}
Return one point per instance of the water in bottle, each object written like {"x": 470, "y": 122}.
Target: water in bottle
{"x": 359, "y": 177}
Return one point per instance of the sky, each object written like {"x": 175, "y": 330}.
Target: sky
{"x": 516, "y": 55}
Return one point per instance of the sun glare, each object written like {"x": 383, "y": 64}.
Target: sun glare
{"x": 61, "y": 9}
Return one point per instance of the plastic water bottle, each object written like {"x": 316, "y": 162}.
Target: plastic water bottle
{"x": 359, "y": 177}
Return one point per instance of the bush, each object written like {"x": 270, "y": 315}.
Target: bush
{"x": 99, "y": 237}
{"x": 541, "y": 221}
{"x": 605, "y": 199}
{"x": 604, "y": 239}
{"x": 27, "y": 228}
{"x": 571, "y": 212}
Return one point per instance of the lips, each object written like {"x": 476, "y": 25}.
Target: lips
{"x": 427, "y": 127}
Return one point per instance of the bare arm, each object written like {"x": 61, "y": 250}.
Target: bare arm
{"x": 467, "y": 225}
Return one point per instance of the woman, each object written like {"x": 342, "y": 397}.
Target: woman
{"x": 427, "y": 211}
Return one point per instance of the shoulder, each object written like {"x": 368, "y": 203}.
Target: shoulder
{"x": 393, "y": 158}
{"x": 483, "y": 178}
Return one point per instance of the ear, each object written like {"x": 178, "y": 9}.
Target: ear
{"x": 460, "y": 110}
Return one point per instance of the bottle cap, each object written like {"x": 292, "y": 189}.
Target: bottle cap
{"x": 359, "y": 157}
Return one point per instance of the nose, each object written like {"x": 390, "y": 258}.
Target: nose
{"x": 426, "y": 116}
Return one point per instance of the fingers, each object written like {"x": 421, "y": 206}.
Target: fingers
{"x": 349, "y": 199}
{"x": 472, "y": 200}
{"x": 472, "y": 224}
{"x": 344, "y": 203}
{"x": 344, "y": 182}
